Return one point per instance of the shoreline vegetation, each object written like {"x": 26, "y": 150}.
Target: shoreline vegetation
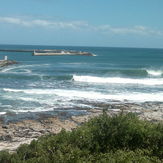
{"x": 14, "y": 131}
{"x": 122, "y": 137}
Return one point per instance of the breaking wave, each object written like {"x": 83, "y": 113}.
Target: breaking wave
{"x": 91, "y": 95}
{"x": 155, "y": 72}
{"x": 118, "y": 80}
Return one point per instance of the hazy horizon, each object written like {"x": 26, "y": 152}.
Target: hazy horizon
{"x": 79, "y": 46}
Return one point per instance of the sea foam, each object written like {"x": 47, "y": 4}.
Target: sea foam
{"x": 67, "y": 95}
{"x": 118, "y": 80}
{"x": 154, "y": 72}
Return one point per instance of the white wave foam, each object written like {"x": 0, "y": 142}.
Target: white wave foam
{"x": 139, "y": 97}
{"x": 6, "y": 106}
{"x": 38, "y": 109}
{"x": 28, "y": 99}
{"x": 25, "y": 71}
{"x": 2, "y": 113}
{"x": 118, "y": 80}
{"x": 18, "y": 69}
{"x": 8, "y": 69}
{"x": 40, "y": 100}
{"x": 22, "y": 68}
{"x": 31, "y": 91}
{"x": 73, "y": 63}
{"x": 11, "y": 90}
{"x": 67, "y": 95}
{"x": 154, "y": 72}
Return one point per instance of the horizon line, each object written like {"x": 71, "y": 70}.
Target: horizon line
{"x": 93, "y": 46}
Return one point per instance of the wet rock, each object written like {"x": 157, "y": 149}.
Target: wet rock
{"x": 6, "y": 138}
{"x": 4, "y": 63}
{"x": 5, "y": 126}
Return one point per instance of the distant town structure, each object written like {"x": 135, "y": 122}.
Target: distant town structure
{"x": 6, "y": 58}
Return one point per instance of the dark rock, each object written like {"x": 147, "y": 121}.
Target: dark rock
{"x": 6, "y": 138}
{"x": 4, "y": 63}
{"x": 5, "y": 126}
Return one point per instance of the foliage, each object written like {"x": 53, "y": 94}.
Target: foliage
{"x": 118, "y": 139}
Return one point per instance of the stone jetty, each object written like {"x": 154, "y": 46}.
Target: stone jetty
{"x": 50, "y": 52}
{"x": 61, "y": 52}
{"x": 6, "y": 62}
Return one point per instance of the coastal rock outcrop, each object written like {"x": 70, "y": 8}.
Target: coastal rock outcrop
{"x": 13, "y": 134}
{"x": 4, "y": 63}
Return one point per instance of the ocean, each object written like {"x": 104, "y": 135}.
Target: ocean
{"x": 50, "y": 84}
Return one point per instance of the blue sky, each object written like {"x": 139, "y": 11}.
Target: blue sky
{"x": 111, "y": 23}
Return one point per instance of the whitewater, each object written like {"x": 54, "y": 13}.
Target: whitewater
{"x": 117, "y": 80}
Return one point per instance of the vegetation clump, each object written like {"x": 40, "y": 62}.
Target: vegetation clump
{"x": 118, "y": 139}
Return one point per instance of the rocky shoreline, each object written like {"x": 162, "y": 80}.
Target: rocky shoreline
{"x": 13, "y": 134}
{"x": 4, "y": 63}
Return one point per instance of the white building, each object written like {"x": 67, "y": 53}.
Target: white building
{"x": 5, "y": 58}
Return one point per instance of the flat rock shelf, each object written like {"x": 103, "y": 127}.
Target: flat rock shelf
{"x": 15, "y": 133}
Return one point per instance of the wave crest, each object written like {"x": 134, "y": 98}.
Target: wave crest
{"x": 68, "y": 95}
{"x": 117, "y": 80}
{"x": 155, "y": 72}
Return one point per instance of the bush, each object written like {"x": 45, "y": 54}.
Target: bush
{"x": 122, "y": 138}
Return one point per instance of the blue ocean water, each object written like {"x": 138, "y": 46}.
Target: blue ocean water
{"x": 46, "y": 83}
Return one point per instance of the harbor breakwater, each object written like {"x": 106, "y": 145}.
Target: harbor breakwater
{"x": 49, "y": 52}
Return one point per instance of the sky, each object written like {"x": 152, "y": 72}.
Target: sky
{"x": 109, "y": 23}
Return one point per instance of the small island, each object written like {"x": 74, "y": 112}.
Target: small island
{"x": 6, "y": 62}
